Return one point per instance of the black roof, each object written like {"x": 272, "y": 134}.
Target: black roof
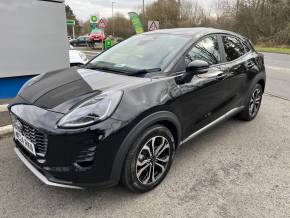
{"x": 195, "y": 32}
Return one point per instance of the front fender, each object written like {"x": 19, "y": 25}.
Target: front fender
{"x": 136, "y": 131}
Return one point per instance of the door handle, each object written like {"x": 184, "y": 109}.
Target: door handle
{"x": 250, "y": 65}
{"x": 221, "y": 76}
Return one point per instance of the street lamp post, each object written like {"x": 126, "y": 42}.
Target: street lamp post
{"x": 113, "y": 20}
{"x": 143, "y": 12}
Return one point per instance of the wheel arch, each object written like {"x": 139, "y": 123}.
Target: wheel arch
{"x": 258, "y": 79}
{"x": 166, "y": 118}
{"x": 262, "y": 83}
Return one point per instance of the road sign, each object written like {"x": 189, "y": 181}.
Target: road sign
{"x": 94, "y": 19}
{"x": 70, "y": 22}
{"x": 102, "y": 23}
{"x": 153, "y": 25}
{"x": 93, "y": 26}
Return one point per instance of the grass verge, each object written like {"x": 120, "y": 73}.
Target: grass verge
{"x": 273, "y": 49}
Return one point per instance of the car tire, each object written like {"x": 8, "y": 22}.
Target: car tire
{"x": 149, "y": 159}
{"x": 253, "y": 104}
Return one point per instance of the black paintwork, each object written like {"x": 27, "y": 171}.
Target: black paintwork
{"x": 183, "y": 102}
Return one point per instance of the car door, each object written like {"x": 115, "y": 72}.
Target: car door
{"x": 81, "y": 41}
{"x": 237, "y": 65}
{"x": 204, "y": 97}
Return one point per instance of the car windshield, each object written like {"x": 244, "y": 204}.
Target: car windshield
{"x": 96, "y": 31}
{"x": 140, "y": 54}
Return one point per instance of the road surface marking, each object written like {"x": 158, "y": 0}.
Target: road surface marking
{"x": 3, "y": 108}
{"x": 278, "y": 68}
{"x": 4, "y": 130}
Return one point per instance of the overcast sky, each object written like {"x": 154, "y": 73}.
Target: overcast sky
{"x": 84, "y": 8}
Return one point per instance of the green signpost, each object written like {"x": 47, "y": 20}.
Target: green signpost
{"x": 93, "y": 22}
{"x": 94, "y": 19}
{"x": 72, "y": 23}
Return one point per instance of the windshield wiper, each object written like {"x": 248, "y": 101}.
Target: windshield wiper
{"x": 106, "y": 69}
{"x": 145, "y": 71}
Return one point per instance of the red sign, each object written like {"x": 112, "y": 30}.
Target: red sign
{"x": 102, "y": 23}
{"x": 153, "y": 25}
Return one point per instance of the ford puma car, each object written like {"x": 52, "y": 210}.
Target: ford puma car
{"x": 121, "y": 117}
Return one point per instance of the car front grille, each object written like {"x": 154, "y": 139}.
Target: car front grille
{"x": 38, "y": 138}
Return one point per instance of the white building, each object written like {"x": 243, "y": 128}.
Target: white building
{"x": 33, "y": 40}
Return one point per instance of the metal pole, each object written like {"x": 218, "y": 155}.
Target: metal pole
{"x": 73, "y": 32}
{"x": 143, "y": 15}
{"x": 143, "y": 10}
{"x": 113, "y": 20}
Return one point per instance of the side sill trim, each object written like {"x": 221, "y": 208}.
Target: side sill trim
{"x": 225, "y": 116}
{"x": 39, "y": 175}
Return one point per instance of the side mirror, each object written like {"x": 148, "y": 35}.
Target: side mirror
{"x": 197, "y": 67}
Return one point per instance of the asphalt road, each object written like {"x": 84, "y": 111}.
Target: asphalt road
{"x": 278, "y": 74}
{"x": 237, "y": 169}
{"x": 4, "y": 119}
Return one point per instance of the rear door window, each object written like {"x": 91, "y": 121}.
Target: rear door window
{"x": 233, "y": 48}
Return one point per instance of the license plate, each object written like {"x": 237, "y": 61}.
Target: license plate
{"x": 24, "y": 141}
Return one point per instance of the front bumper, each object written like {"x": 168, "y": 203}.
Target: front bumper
{"x": 38, "y": 174}
{"x": 74, "y": 158}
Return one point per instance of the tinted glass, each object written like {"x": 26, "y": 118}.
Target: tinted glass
{"x": 248, "y": 46}
{"x": 233, "y": 48}
{"x": 206, "y": 50}
{"x": 141, "y": 52}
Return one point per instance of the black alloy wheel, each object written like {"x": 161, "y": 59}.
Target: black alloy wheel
{"x": 253, "y": 104}
{"x": 149, "y": 160}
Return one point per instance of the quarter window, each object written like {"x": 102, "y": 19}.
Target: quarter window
{"x": 233, "y": 48}
{"x": 248, "y": 45}
{"x": 247, "y": 48}
{"x": 206, "y": 50}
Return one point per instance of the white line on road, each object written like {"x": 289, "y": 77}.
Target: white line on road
{"x": 92, "y": 52}
{"x": 4, "y": 130}
{"x": 3, "y": 108}
{"x": 278, "y": 68}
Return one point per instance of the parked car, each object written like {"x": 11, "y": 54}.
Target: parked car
{"x": 81, "y": 41}
{"x": 124, "y": 115}
{"x": 77, "y": 58}
{"x": 97, "y": 36}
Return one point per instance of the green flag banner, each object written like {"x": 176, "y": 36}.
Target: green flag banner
{"x": 136, "y": 22}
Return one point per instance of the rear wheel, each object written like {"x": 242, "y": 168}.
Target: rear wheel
{"x": 149, "y": 159}
{"x": 253, "y": 104}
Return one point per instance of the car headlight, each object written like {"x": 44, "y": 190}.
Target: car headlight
{"x": 92, "y": 111}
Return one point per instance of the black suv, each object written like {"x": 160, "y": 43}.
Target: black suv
{"x": 123, "y": 115}
{"x": 82, "y": 41}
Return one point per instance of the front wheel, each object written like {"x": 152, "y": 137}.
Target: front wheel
{"x": 253, "y": 104}
{"x": 149, "y": 159}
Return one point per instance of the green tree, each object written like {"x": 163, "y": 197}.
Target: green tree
{"x": 122, "y": 26}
